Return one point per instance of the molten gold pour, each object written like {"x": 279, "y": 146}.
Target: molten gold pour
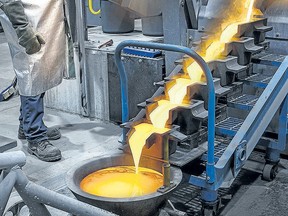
{"x": 122, "y": 182}
{"x": 129, "y": 181}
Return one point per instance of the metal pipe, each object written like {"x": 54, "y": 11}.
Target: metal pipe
{"x": 209, "y": 195}
{"x": 11, "y": 159}
{"x": 273, "y": 152}
{"x": 210, "y": 169}
{"x": 21, "y": 187}
{"x": 166, "y": 148}
{"x": 36, "y": 194}
{"x": 6, "y": 187}
{"x": 81, "y": 37}
{"x": 62, "y": 202}
{"x": 166, "y": 166}
{"x": 282, "y": 133}
{"x": 166, "y": 174}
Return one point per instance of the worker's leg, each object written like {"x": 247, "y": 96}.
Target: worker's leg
{"x": 32, "y": 112}
{"x": 52, "y": 133}
{"x": 32, "y": 118}
{"x": 21, "y": 134}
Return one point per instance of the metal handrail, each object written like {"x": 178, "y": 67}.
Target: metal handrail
{"x": 35, "y": 196}
{"x": 210, "y": 169}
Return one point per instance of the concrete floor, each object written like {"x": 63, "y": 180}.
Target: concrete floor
{"x": 83, "y": 139}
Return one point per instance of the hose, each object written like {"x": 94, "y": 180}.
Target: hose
{"x": 90, "y": 5}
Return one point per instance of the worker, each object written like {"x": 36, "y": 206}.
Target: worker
{"x": 35, "y": 31}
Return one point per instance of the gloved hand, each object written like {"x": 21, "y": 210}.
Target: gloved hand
{"x": 28, "y": 37}
{"x": 31, "y": 41}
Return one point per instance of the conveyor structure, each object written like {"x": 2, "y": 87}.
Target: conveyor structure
{"x": 241, "y": 106}
{"x": 250, "y": 110}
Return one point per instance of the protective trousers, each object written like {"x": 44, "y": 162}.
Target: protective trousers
{"x": 31, "y": 118}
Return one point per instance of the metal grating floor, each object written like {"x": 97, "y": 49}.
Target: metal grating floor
{"x": 230, "y": 123}
{"x": 268, "y": 59}
{"x": 218, "y": 151}
{"x": 259, "y": 78}
{"x": 187, "y": 197}
{"x": 229, "y": 126}
{"x": 245, "y": 102}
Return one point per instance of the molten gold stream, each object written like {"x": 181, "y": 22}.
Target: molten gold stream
{"x": 121, "y": 182}
{"x": 250, "y": 9}
{"x": 138, "y": 140}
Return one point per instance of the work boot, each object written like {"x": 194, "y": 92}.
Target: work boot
{"x": 52, "y": 133}
{"x": 45, "y": 151}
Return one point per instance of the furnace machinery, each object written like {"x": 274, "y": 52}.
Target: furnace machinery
{"x": 246, "y": 93}
{"x": 250, "y": 87}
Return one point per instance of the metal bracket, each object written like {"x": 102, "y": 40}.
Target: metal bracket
{"x": 164, "y": 189}
{"x": 240, "y": 156}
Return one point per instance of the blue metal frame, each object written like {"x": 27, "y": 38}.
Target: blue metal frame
{"x": 247, "y": 137}
{"x": 275, "y": 148}
{"x": 283, "y": 121}
{"x": 266, "y": 60}
{"x": 142, "y": 52}
{"x": 210, "y": 167}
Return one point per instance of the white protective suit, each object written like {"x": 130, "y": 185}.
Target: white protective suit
{"x": 44, "y": 70}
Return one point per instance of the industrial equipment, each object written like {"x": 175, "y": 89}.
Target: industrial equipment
{"x": 144, "y": 205}
{"x": 236, "y": 138}
{"x": 239, "y": 105}
{"x": 250, "y": 109}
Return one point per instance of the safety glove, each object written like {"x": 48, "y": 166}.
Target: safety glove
{"x": 28, "y": 37}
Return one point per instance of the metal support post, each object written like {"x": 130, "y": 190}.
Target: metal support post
{"x": 175, "y": 30}
{"x": 166, "y": 164}
{"x": 210, "y": 202}
{"x": 81, "y": 38}
{"x": 166, "y": 174}
{"x": 209, "y": 196}
{"x": 283, "y": 122}
{"x": 273, "y": 154}
{"x": 166, "y": 148}
{"x": 270, "y": 169}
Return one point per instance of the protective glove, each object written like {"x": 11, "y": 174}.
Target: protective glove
{"x": 28, "y": 38}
